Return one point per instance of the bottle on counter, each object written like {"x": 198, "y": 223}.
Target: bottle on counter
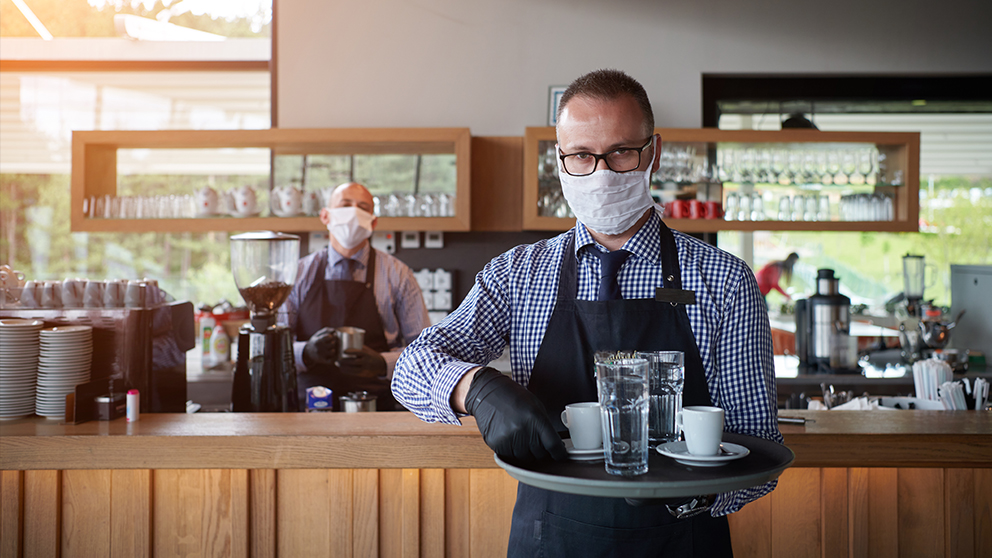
{"x": 220, "y": 346}
{"x": 207, "y": 325}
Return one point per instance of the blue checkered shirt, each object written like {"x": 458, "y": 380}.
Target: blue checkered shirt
{"x": 514, "y": 296}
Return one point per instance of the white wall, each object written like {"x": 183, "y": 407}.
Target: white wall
{"x": 488, "y": 64}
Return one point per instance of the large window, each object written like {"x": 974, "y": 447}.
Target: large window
{"x": 955, "y": 175}
{"x": 122, "y": 65}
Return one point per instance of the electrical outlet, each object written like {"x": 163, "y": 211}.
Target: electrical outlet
{"x": 409, "y": 239}
{"x": 442, "y": 280}
{"x": 425, "y": 279}
{"x": 384, "y": 241}
{"x": 442, "y": 300}
{"x": 433, "y": 239}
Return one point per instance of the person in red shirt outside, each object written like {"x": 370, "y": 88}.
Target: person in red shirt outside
{"x": 768, "y": 276}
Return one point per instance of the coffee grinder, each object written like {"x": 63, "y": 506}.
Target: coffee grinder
{"x": 823, "y": 325}
{"x": 264, "y": 266}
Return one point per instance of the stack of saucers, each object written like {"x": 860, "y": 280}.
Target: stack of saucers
{"x": 63, "y": 363}
{"x": 18, "y": 367}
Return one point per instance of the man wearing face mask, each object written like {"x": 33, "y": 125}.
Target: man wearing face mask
{"x": 351, "y": 284}
{"x": 619, "y": 280}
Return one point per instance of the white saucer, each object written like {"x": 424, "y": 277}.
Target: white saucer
{"x": 678, "y": 452}
{"x": 582, "y": 454}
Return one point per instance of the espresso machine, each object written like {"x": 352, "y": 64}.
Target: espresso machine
{"x": 823, "y": 325}
{"x": 264, "y": 266}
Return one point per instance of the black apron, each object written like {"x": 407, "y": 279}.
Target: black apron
{"x": 554, "y": 524}
{"x": 339, "y": 303}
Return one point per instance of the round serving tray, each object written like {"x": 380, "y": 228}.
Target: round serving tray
{"x": 665, "y": 478}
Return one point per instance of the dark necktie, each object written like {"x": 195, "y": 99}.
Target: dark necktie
{"x": 609, "y": 289}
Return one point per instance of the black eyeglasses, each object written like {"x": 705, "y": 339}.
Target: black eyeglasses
{"x": 624, "y": 159}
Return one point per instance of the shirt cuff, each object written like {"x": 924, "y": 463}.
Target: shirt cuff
{"x": 444, "y": 386}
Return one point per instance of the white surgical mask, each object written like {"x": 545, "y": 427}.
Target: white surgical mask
{"x": 605, "y": 201}
{"x": 350, "y": 225}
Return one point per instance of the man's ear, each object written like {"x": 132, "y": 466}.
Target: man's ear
{"x": 375, "y": 221}
{"x": 325, "y": 216}
{"x": 657, "y": 155}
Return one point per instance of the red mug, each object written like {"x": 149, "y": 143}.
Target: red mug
{"x": 713, "y": 210}
{"x": 695, "y": 209}
{"x": 678, "y": 209}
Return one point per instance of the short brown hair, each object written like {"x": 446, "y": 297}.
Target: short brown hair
{"x": 608, "y": 85}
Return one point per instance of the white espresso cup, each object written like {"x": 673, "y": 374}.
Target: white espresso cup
{"x": 134, "y": 295}
{"x": 31, "y": 295}
{"x": 585, "y": 425}
{"x": 93, "y": 294}
{"x": 703, "y": 429}
{"x": 51, "y": 294}
{"x": 113, "y": 293}
{"x": 72, "y": 292}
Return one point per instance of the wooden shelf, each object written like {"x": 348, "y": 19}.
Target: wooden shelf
{"x": 901, "y": 148}
{"x": 94, "y": 171}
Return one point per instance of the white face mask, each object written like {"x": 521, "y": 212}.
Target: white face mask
{"x": 605, "y": 201}
{"x": 350, "y": 225}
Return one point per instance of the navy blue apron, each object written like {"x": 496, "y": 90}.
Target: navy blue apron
{"x": 338, "y": 303}
{"x": 554, "y": 524}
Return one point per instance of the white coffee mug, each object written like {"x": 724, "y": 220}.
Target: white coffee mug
{"x": 703, "y": 429}
{"x": 51, "y": 294}
{"x": 31, "y": 295}
{"x": 113, "y": 293}
{"x": 585, "y": 425}
{"x": 93, "y": 294}
{"x": 72, "y": 292}
{"x": 134, "y": 295}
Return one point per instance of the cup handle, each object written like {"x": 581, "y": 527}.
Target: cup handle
{"x": 678, "y": 419}
{"x": 564, "y": 418}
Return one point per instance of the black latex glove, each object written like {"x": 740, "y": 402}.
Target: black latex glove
{"x": 512, "y": 420}
{"x": 321, "y": 348}
{"x": 365, "y": 362}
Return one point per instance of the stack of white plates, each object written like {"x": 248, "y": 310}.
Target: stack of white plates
{"x": 18, "y": 367}
{"x": 63, "y": 363}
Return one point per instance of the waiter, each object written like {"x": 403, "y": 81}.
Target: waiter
{"x": 619, "y": 280}
{"x": 349, "y": 283}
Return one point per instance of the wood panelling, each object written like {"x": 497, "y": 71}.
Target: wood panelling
{"x": 921, "y": 525}
{"x": 831, "y": 512}
{"x": 755, "y": 520}
{"x": 42, "y": 496}
{"x": 796, "y": 514}
{"x": 85, "y": 513}
{"x": 262, "y": 513}
{"x": 497, "y": 183}
{"x": 11, "y": 513}
{"x": 130, "y": 513}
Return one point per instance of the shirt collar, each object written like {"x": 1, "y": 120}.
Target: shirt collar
{"x": 333, "y": 257}
{"x": 646, "y": 242}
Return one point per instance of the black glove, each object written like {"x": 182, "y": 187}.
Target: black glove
{"x": 321, "y": 348}
{"x": 365, "y": 362}
{"x": 512, "y": 420}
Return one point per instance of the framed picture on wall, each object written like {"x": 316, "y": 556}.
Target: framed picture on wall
{"x": 554, "y": 95}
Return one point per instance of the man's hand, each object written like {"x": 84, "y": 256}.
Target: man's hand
{"x": 512, "y": 420}
{"x": 365, "y": 362}
{"x": 321, "y": 348}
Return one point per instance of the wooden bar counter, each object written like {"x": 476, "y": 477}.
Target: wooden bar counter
{"x": 864, "y": 483}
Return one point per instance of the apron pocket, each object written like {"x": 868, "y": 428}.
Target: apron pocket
{"x": 561, "y": 537}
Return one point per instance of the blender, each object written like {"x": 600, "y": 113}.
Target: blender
{"x": 264, "y": 266}
{"x": 914, "y": 282}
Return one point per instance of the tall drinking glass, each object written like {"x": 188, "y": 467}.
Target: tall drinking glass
{"x": 666, "y": 372}
{"x": 623, "y": 397}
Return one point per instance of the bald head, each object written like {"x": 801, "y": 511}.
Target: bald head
{"x": 352, "y": 194}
